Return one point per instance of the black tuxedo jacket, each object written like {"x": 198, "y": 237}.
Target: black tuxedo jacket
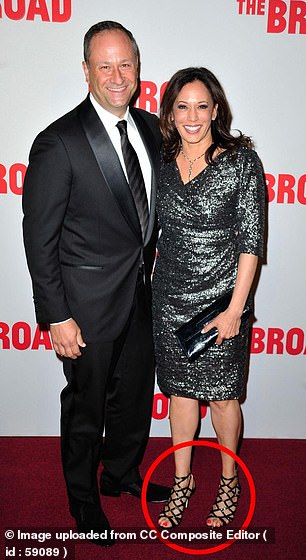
{"x": 81, "y": 230}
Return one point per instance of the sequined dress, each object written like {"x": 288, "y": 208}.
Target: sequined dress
{"x": 205, "y": 225}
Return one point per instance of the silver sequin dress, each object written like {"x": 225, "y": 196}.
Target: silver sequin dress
{"x": 205, "y": 225}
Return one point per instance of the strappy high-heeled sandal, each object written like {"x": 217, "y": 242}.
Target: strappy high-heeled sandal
{"x": 228, "y": 495}
{"x": 178, "y": 500}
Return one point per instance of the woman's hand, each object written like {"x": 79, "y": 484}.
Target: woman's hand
{"x": 227, "y": 323}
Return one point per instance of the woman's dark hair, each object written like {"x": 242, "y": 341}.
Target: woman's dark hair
{"x": 107, "y": 26}
{"x": 220, "y": 127}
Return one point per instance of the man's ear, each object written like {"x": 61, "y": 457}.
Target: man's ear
{"x": 86, "y": 71}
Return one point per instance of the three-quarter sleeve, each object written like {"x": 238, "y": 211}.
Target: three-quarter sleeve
{"x": 251, "y": 205}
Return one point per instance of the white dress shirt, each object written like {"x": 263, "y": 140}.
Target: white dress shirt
{"x": 110, "y": 121}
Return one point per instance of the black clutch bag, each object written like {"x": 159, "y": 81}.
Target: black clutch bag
{"x": 192, "y": 341}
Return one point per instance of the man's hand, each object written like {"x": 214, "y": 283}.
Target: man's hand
{"x": 66, "y": 339}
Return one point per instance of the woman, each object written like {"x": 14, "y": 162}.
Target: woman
{"x": 211, "y": 211}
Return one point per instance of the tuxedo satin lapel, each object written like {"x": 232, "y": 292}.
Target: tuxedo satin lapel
{"x": 154, "y": 156}
{"x": 109, "y": 164}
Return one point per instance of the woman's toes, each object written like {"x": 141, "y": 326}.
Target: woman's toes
{"x": 164, "y": 522}
{"x": 214, "y": 522}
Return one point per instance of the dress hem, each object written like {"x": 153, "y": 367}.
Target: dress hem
{"x": 199, "y": 397}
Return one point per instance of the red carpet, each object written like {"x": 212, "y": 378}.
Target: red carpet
{"x": 33, "y": 499}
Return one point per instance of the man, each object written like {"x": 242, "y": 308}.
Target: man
{"x": 88, "y": 232}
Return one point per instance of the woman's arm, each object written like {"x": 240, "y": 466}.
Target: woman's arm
{"x": 228, "y": 322}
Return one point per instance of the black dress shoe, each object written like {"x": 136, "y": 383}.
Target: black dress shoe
{"x": 155, "y": 492}
{"x": 91, "y": 519}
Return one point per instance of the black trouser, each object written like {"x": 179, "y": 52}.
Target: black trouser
{"x": 110, "y": 385}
